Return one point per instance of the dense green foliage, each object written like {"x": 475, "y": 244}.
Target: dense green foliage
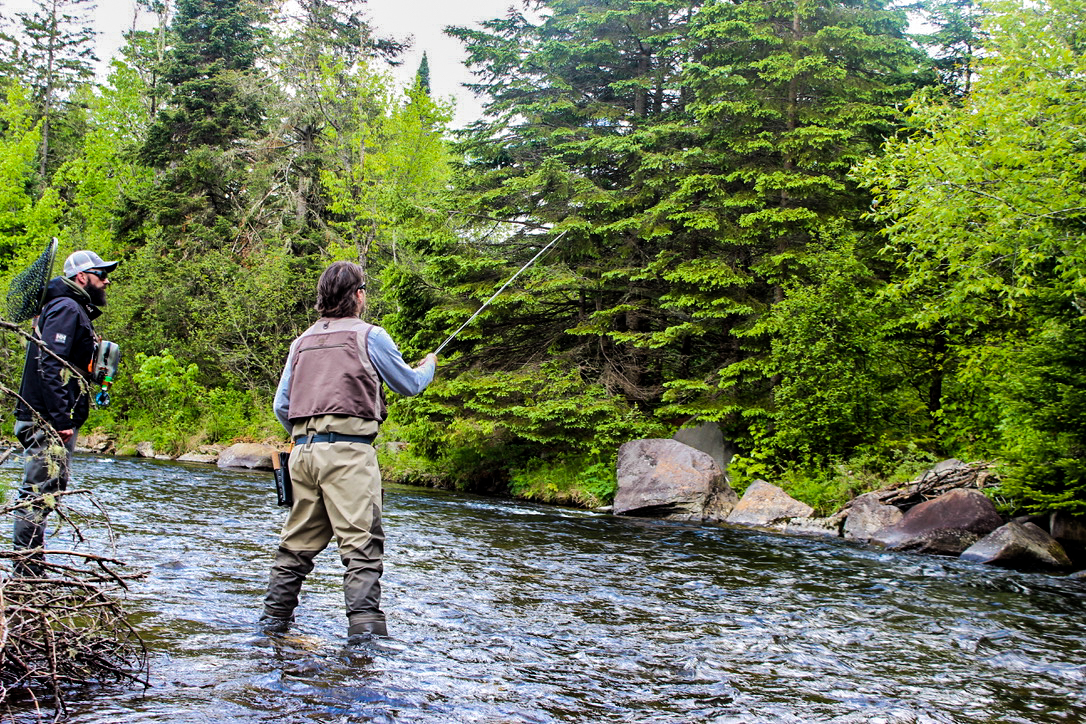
{"x": 984, "y": 212}
{"x": 856, "y": 250}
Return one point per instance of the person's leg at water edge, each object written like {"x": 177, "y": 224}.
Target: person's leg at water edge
{"x": 41, "y": 476}
{"x": 351, "y": 484}
{"x": 306, "y": 533}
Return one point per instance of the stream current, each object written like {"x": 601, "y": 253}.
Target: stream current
{"x": 501, "y": 611}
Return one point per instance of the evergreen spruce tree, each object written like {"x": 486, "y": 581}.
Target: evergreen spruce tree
{"x": 698, "y": 155}
{"x": 196, "y": 248}
{"x": 422, "y": 76}
{"x": 53, "y": 53}
{"x": 215, "y": 111}
{"x": 955, "y": 39}
{"x": 789, "y": 96}
{"x": 208, "y": 69}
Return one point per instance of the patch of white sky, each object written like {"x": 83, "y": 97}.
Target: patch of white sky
{"x": 422, "y": 22}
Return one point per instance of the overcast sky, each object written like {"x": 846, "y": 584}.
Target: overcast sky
{"x": 425, "y": 19}
{"x": 422, "y": 19}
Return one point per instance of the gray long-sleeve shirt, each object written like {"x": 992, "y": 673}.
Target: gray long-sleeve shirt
{"x": 385, "y": 355}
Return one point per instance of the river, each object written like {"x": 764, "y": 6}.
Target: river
{"x": 502, "y": 611}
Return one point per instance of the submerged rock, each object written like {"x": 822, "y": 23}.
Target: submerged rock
{"x": 661, "y": 478}
{"x": 766, "y": 505}
{"x": 1023, "y": 546}
{"x": 946, "y": 525}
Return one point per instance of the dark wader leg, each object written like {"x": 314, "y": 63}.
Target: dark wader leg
{"x": 362, "y": 583}
{"x": 287, "y": 575}
{"x": 29, "y": 527}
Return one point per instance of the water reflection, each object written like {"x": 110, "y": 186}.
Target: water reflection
{"x": 506, "y": 612}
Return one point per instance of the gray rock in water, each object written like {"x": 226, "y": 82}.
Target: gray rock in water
{"x": 1022, "y": 546}
{"x": 666, "y": 479}
{"x": 766, "y": 505}
{"x": 946, "y": 525}
{"x": 827, "y": 527}
{"x": 247, "y": 455}
{"x": 145, "y": 449}
{"x": 867, "y": 515}
{"x": 191, "y": 457}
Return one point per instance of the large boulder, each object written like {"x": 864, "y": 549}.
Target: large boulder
{"x": 247, "y": 455}
{"x": 867, "y": 515}
{"x": 666, "y": 479}
{"x": 946, "y": 525}
{"x": 708, "y": 438}
{"x": 767, "y": 506}
{"x": 1023, "y": 546}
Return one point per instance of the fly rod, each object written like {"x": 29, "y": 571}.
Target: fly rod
{"x": 494, "y": 296}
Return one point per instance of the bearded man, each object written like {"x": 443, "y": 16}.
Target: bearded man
{"x": 53, "y": 401}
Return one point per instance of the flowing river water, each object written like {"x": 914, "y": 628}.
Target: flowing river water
{"x": 502, "y": 611}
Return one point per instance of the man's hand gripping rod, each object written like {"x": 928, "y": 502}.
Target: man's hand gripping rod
{"x": 494, "y": 296}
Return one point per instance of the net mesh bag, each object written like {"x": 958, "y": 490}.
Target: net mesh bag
{"x": 27, "y": 290}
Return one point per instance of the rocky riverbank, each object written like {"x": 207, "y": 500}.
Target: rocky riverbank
{"x": 942, "y": 512}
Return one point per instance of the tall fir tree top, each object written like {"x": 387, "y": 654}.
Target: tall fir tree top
{"x": 53, "y": 50}
{"x": 422, "y": 76}
{"x": 212, "y": 36}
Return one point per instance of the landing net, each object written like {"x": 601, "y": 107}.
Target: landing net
{"x": 27, "y": 291}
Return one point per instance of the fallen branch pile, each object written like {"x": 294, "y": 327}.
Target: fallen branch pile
{"x": 936, "y": 482}
{"x": 64, "y": 627}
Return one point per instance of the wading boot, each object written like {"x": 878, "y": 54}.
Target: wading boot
{"x": 361, "y": 631}
{"x": 274, "y": 624}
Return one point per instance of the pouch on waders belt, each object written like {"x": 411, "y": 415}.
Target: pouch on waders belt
{"x": 284, "y": 493}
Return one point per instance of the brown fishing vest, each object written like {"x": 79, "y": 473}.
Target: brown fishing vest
{"x": 331, "y": 372}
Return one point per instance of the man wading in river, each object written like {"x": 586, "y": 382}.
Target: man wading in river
{"x": 331, "y": 402}
{"x": 54, "y": 392}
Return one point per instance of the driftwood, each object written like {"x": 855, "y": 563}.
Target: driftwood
{"x": 62, "y": 626}
{"x": 936, "y": 482}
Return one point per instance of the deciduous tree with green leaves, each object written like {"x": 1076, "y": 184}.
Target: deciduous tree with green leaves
{"x": 984, "y": 212}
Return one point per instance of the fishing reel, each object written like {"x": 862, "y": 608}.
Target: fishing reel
{"x": 103, "y": 368}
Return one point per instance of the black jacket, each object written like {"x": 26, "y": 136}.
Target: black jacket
{"x": 64, "y": 325}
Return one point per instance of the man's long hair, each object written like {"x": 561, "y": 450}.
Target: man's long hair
{"x": 336, "y": 290}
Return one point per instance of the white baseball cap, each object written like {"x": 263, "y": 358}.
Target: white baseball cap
{"x": 81, "y": 261}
